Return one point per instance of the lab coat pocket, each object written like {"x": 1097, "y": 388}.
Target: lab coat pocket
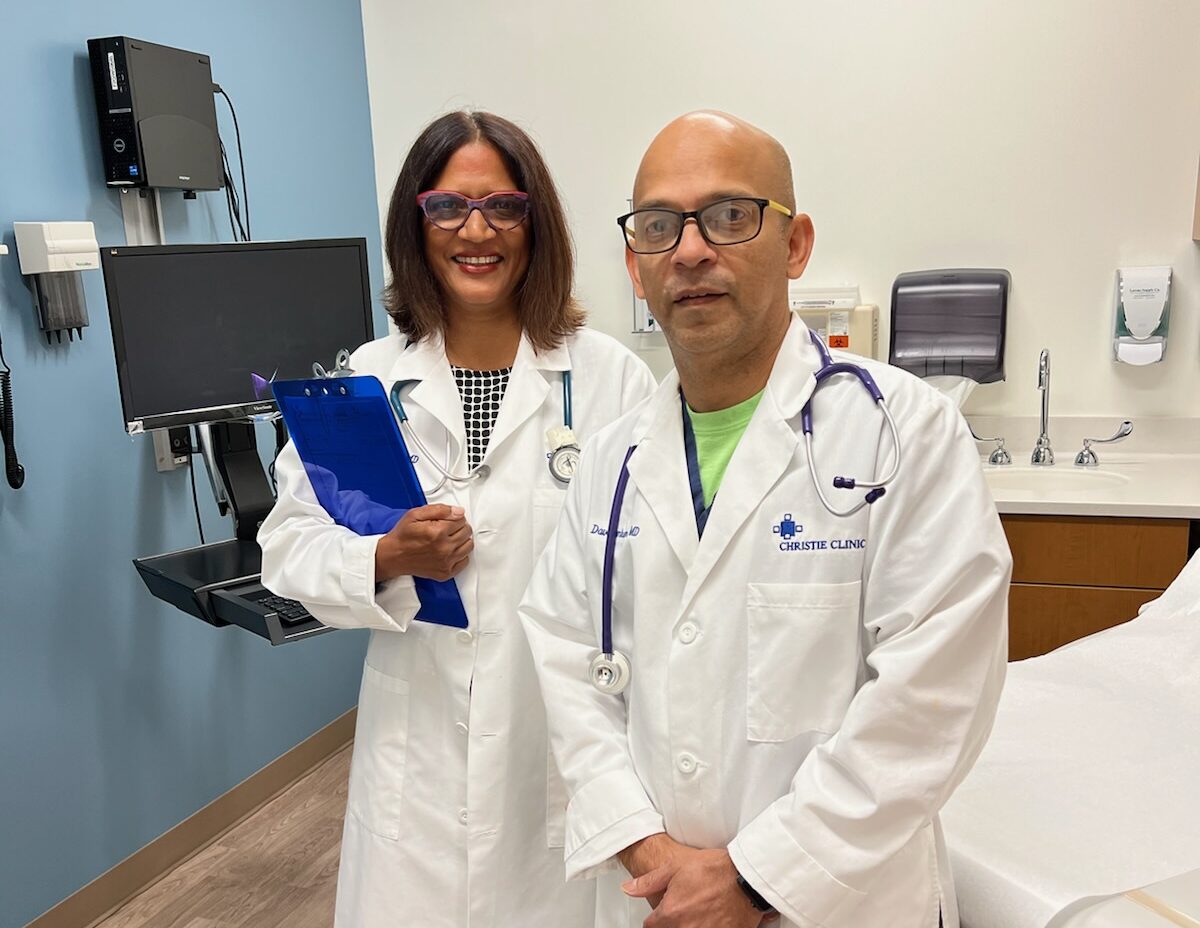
{"x": 802, "y": 654}
{"x": 556, "y": 804}
{"x": 380, "y": 745}
{"x": 547, "y": 504}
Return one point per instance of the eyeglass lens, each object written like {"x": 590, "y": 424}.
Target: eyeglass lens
{"x": 502, "y": 211}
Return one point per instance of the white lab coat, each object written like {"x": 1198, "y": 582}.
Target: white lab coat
{"x": 807, "y": 695}
{"x": 455, "y": 813}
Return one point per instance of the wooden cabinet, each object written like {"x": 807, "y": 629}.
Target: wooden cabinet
{"x": 1074, "y": 576}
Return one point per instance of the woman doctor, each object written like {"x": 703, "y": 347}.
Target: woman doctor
{"x": 455, "y": 810}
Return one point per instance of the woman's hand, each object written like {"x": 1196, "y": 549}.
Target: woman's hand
{"x": 428, "y": 541}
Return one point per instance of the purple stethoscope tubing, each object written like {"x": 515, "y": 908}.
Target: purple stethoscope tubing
{"x": 610, "y": 550}
{"x": 875, "y": 488}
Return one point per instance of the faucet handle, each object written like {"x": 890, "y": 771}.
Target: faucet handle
{"x": 1087, "y": 457}
{"x": 999, "y": 455}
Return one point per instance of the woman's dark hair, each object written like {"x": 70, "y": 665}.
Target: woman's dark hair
{"x": 413, "y": 296}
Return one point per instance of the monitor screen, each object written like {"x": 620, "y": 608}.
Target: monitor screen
{"x": 199, "y": 331}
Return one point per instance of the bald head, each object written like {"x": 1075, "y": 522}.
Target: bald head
{"x": 705, "y": 139}
{"x": 722, "y": 304}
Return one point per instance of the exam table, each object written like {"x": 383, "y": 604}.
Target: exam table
{"x": 1083, "y": 810}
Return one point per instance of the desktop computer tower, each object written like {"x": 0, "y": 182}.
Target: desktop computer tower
{"x": 158, "y": 121}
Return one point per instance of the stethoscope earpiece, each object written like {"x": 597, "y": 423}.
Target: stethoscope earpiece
{"x": 875, "y": 487}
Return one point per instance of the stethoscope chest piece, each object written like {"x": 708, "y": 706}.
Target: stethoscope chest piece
{"x": 609, "y": 673}
{"x": 564, "y": 462}
{"x": 564, "y": 456}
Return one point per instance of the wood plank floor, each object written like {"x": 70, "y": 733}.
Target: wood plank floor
{"x": 277, "y": 868}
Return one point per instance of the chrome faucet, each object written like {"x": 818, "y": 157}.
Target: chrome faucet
{"x": 999, "y": 456}
{"x": 1043, "y": 454}
{"x": 1087, "y": 457}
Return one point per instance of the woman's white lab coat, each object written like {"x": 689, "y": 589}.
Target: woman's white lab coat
{"x": 806, "y": 690}
{"x": 455, "y": 812}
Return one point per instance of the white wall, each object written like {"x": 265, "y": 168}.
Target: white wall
{"x": 1055, "y": 138}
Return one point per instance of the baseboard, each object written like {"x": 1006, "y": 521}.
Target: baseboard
{"x": 109, "y": 891}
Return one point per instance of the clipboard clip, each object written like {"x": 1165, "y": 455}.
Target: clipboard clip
{"x": 341, "y": 366}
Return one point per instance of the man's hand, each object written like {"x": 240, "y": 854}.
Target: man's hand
{"x": 428, "y": 541}
{"x": 649, "y": 854}
{"x": 698, "y": 889}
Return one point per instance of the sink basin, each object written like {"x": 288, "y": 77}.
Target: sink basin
{"x": 1058, "y": 479}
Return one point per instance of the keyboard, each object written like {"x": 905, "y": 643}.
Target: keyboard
{"x": 290, "y": 612}
{"x": 257, "y": 609}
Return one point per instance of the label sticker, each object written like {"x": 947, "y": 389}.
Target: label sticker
{"x": 839, "y": 329}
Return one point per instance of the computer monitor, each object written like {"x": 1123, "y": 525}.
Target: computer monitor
{"x": 200, "y": 330}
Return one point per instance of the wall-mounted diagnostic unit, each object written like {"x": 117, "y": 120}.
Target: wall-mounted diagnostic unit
{"x": 52, "y": 254}
{"x": 158, "y": 121}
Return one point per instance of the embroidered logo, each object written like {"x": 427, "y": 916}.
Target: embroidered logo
{"x": 786, "y": 528}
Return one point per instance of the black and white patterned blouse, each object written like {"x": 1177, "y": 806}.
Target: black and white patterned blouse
{"x": 481, "y": 393}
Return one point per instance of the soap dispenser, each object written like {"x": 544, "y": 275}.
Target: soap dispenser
{"x": 1141, "y": 311}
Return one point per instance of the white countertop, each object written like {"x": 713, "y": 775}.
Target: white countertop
{"x": 1165, "y": 486}
{"x": 1155, "y": 473}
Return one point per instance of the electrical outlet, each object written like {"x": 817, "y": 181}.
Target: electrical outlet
{"x": 172, "y": 448}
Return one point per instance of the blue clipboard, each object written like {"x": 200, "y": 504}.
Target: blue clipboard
{"x": 360, "y": 468}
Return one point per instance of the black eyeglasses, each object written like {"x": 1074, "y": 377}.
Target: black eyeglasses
{"x": 450, "y": 210}
{"x": 729, "y": 221}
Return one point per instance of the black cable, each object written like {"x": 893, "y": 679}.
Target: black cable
{"x": 232, "y": 202}
{"x": 195, "y": 499}
{"x": 235, "y": 215}
{"x": 13, "y": 471}
{"x": 281, "y": 438}
{"x": 241, "y": 160}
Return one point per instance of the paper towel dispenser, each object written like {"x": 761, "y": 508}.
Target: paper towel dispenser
{"x": 950, "y": 322}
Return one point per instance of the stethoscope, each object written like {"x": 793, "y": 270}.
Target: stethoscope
{"x": 564, "y": 454}
{"x": 609, "y": 670}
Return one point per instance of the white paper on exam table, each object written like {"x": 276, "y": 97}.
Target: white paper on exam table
{"x": 1166, "y": 904}
{"x": 1087, "y": 786}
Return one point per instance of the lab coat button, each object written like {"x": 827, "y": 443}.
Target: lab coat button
{"x": 686, "y": 763}
{"x": 687, "y": 632}
{"x": 462, "y": 816}
{"x": 462, "y": 727}
{"x": 465, "y": 637}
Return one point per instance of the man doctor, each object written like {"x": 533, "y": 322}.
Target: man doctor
{"x": 805, "y": 690}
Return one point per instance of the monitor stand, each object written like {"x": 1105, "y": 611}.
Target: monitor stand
{"x": 230, "y": 452}
{"x": 220, "y": 582}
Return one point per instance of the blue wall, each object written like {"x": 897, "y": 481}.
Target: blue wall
{"x": 120, "y": 716}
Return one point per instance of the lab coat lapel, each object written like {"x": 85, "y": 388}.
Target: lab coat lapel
{"x": 435, "y": 390}
{"x": 766, "y": 452}
{"x": 658, "y": 469}
{"x": 527, "y": 389}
